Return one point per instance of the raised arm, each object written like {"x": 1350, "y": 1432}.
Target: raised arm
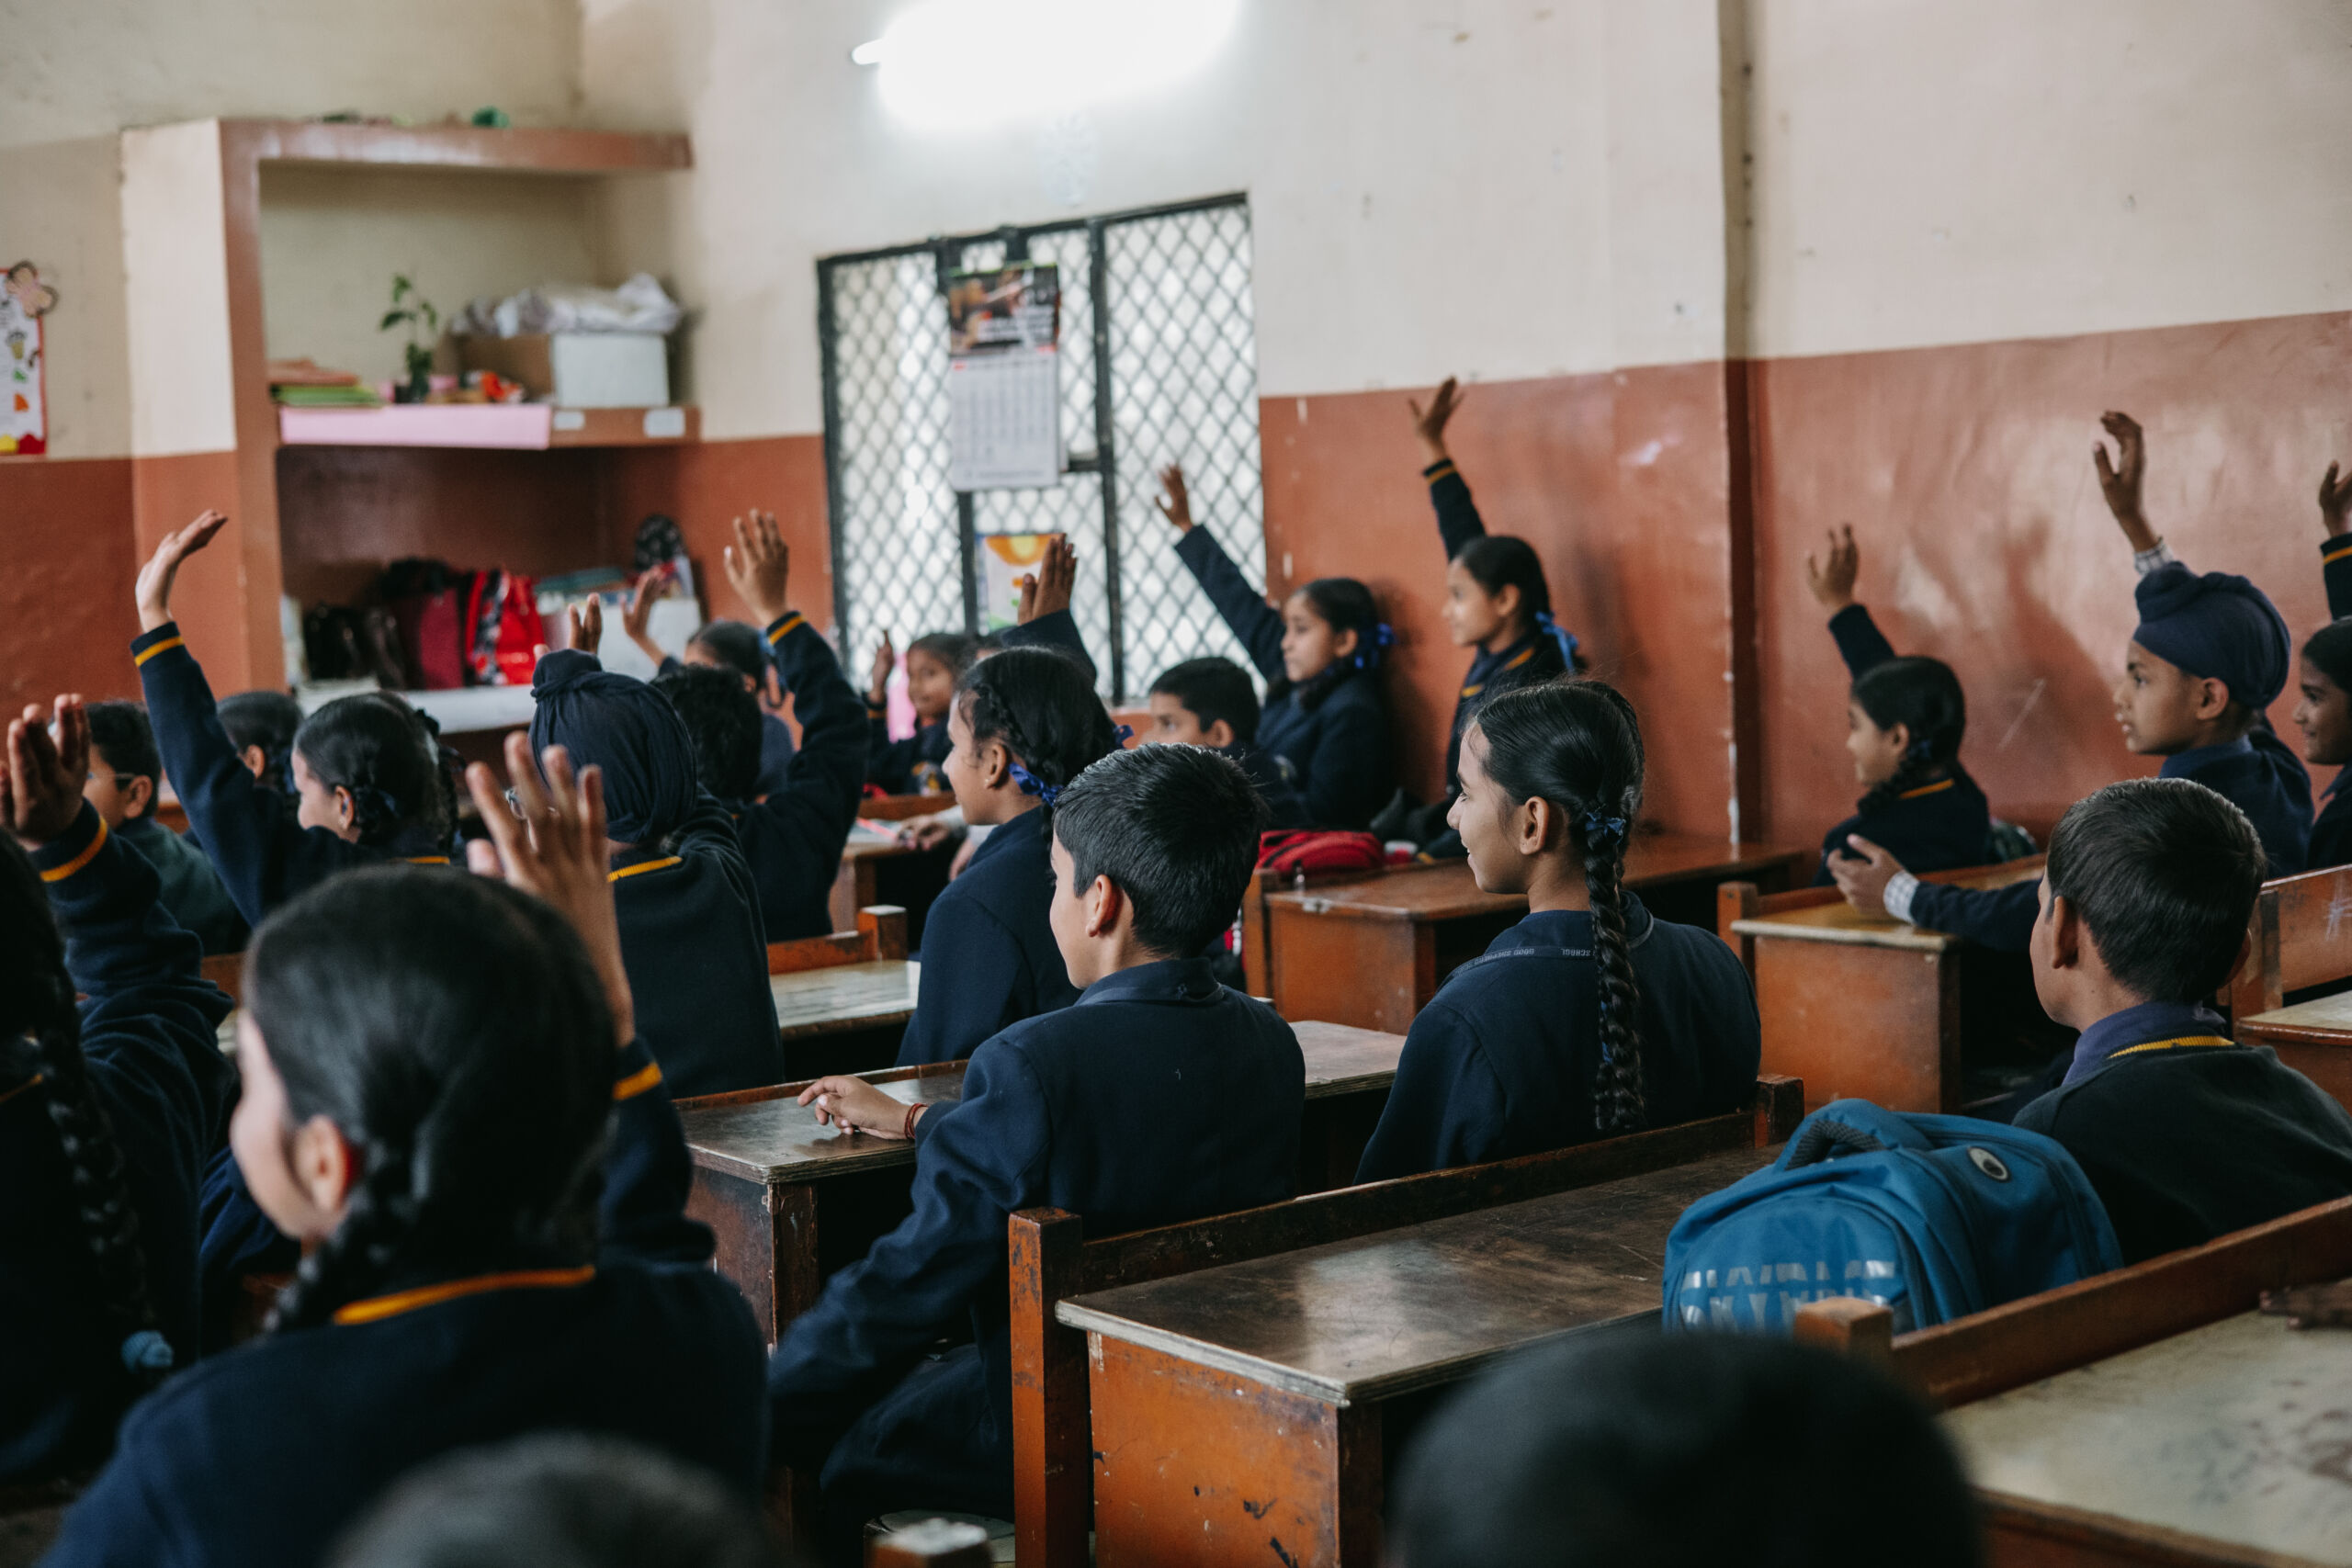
{"x": 2119, "y": 484}
{"x": 1245, "y": 609}
{"x": 2336, "y": 550}
{"x": 1045, "y": 617}
{"x": 1458, "y": 522}
{"x": 1859, "y": 642}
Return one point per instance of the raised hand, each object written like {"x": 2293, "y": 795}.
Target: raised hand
{"x": 878, "y": 686}
{"x": 40, "y": 794}
{"x": 652, "y": 586}
{"x": 1429, "y": 424}
{"x": 1832, "y": 582}
{"x": 1048, "y": 588}
{"x": 587, "y": 626}
{"x": 2334, "y": 500}
{"x": 2119, "y": 481}
{"x": 163, "y": 568}
{"x": 760, "y": 566}
{"x": 1175, "y": 504}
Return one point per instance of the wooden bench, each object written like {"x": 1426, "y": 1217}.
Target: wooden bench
{"x": 1369, "y": 948}
{"x": 1861, "y": 1006}
{"x": 792, "y": 1201}
{"x": 2142, "y": 1416}
{"x": 2314, "y": 1038}
{"x": 2302, "y": 937}
{"x": 842, "y": 1001}
{"x": 1247, "y": 1359}
{"x": 881, "y": 871}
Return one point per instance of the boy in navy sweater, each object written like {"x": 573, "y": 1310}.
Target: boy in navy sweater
{"x": 1209, "y": 702}
{"x": 126, "y": 773}
{"x": 2186, "y": 1136}
{"x": 1158, "y": 1097}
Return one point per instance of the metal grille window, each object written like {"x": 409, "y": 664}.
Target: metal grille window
{"x": 1159, "y": 364}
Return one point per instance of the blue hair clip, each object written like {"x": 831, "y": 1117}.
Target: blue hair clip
{"x": 1601, "y": 831}
{"x": 1383, "y": 639}
{"x": 1126, "y": 733}
{"x": 147, "y": 1351}
{"x": 1567, "y": 640}
{"x": 1032, "y": 785}
{"x": 377, "y": 801}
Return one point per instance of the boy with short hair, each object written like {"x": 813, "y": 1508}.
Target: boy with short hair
{"x": 1210, "y": 702}
{"x": 2186, "y": 1136}
{"x": 1157, "y": 1097}
{"x": 126, "y": 774}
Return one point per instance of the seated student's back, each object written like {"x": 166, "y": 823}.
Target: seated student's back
{"x": 2185, "y": 1135}
{"x": 1591, "y": 1016}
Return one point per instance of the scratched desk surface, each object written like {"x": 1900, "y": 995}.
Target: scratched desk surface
{"x": 1841, "y": 922}
{"x": 1406, "y": 1309}
{"x": 1446, "y": 890}
{"x": 847, "y": 996}
{"x": 2240, "y": 1432}
{"x": 2329, "y": 1015}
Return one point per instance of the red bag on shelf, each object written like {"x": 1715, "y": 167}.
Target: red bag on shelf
{"x": 429, "y": 602}
{"x": 505, "y": 635}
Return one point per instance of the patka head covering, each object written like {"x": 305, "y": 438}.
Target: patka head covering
{"x": 2216, "y": 626}
{"x": 626, "y": 727}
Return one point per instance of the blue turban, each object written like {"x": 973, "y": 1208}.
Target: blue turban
{"x": 2217, "y": 626}
{"x": 626, "y": 727}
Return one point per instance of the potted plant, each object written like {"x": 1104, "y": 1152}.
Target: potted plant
{"x": 415, "y": 311}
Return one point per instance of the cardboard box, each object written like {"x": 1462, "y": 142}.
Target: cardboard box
{"x": 578, "y": 370}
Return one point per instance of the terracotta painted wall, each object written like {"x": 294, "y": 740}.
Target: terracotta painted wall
{"x": 66, "y": 619}
{"x": 706, "y": 487}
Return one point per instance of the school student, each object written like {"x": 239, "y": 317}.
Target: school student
{"x": 1677, "y": 1453}
{"x": 2185, "y": 1135}
{"x": 2324, "y": 714}
{"x": 1025, "y": 723}
{"x": 367, "y": 778}
{"x": 792, "y": 837}
{"x": 126, "y": 771}
{"x": 1905, "y": 721}
{"x": 730, "y": 648}
{"x": 916, "y": 763}
{"x": 107, "y": 1108}
{"x": 1158, "y": 1097}
{"x": 1591, "y": 1016}
{"x": 690, "y": 913}
{"x": 431, "y": 1064}
{"x": 261, "y": 726}
{"x": 1210, "y": 702}
{"x": 1321, "y": 655}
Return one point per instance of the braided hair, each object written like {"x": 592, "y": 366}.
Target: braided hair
{"x": 1345, "y": 605}
{"x": 1041, "y": 705}
{"x": 1578, "y": 745}
{"x": 380, "y": 748}
{"x": 38, "y": 1013}
{"x": 455, "y": 1032}
{"x": 1924, "y": 696}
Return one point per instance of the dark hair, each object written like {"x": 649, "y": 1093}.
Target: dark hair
{"x": 1497, "y": 562}
{"x": 2164, "y": 874}
{"x": 454, "y": 1030}
{"x": 1044, "y": 709}
{"x": 954, "y": 649}
{"x": 126, "y": 740}
{"x": 38, "y": 1016}
{"x": 1924, "y": 696}
{"x": 1680, "y": 1451}
{"x": 1345, "y": 605}
{"x": 267, "y": 719}
{"x": 1175, "y": 829}
{"x": 380, "y": 748}
{"x": 723, "y": 721}
{"x": 559, "y": 1500}
{"x": 740, "y": 648}
{"x": 2329, "y": 650}
{"x": 1579, "y": 745}
{"x": 1212, "y": 689}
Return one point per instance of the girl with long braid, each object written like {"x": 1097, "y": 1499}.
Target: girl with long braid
{"x": 1591, "y": 1016}
{"x": 107, "y": 1108}
{"x": 1021, "y": 725}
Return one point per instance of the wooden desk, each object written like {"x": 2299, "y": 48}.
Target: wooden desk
{"x": 876, "y": 871}
{"x": 792, "y": 1201}
{"x": 1240, "y": 1413}
{"x": 846, "y": 1019}
{"x": 1861, "y": 1006}
{"x": 1370, "y": 950}
{"x": 2313, "y": 1038}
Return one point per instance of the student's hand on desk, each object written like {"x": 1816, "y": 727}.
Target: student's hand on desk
{"x": 155, "y": 577}
{"x": 1429, "y": 424}
{"x": 1048, "y": 588}
{"x": 855, "y": 1106}
{"x": 1174, "y": 503}
{"x": 1863, "y": 875}
{"x": 2119, "y": 481}
{"x": 878, "y": 687}
{"x": 587, "y": 626}
{"x": 1832, "y": 582}
{"x": 924, "y": 832}
{"x": 40, "y": 793}
{"x": 760, "y": 567}
{"x": 556, "y": 850}
{"x": 2334, "y": 500}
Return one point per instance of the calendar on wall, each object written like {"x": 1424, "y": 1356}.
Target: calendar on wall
{"x": 1004, "y": 426}
{"x": 24, "y": 403}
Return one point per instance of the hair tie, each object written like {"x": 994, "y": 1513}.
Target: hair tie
{"x": 1567, "y": 640}
{"x": 1383, "y": 638}
{"x": 370, "y": 800}
{"x": 1125, "y": 733}
{"x": 147, "y": 1351}
{"x": 1601, "y": 832}
{"x": 1032, "y": 785}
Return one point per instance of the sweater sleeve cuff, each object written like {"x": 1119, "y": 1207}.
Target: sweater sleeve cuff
{"x": 2148, "y": 560}
{"x": 75, "y": 849}
{"x": 784, "y": 625}
{"x": 163, "y": 640}
{"x": 634, "y": 1072}
{"x": 1900, "y": 889}
{"x": 1443, "y": 469}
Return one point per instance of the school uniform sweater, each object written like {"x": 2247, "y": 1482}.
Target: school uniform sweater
{"x": 792, "y": 839}
{"x": 1056, "y": 630}
{"x": 1502, "y": 1061}
{"x": 266, "y": 1455}
{"x": 989, "y": 956}
{"x": 1534, "y": 659}
{"x": 148, "y": 1019}
{"x": 1160, "y": 1097}
{"x": 2186, "y": 1136}
{"x": 776, "y": 739}
{"x": 1272, "y": 779}
{"x": 263, "y": 857}
{"x": 2331, "y": 842}
{"x": 1337, "y": 747}
{"x": 191, "y": 889}
{"x": 911, "y": 766}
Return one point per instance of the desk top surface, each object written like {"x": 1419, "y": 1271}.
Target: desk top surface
{"x": 2329, "y": 1015}
{"x": 2236, "y": 1432}
{"x": 1446, "y": 890}
{"x": 1839, "y": 921}
{"x": 845, "y": 996}
{"x": 1407, "y": 1309}
{"x": 777, "y": 1140}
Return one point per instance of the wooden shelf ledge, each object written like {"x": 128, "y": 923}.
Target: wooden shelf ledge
{"x": 510, "y": 150}
{"x": 529, "y": 427}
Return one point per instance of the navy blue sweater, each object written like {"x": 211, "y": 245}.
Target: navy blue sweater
{"x": 263, "y": 856}
{"x": 1941, "y": 825}
{"x": 792, "y": 839}
{"x": 1533, "y": 659}
{"x": 1338, "y": 747}
{"x": 1160, "y": 1097}
{"x": 989, "y": 956}
{"x": 2332, "y": 833}
{"x": 911, "y": 766}
{"x": 192, "y": 889}
{"x": 264, "y": 1456}
{"x": 147, "y": 1036}
{"x": 1502, "y": 1061}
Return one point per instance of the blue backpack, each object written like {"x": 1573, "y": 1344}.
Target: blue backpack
{"x": 1934, "y": 1216}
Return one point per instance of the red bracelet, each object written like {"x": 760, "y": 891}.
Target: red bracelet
{"x": 914, "y": 1110}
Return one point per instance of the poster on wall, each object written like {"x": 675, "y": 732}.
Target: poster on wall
{"x": 1004, "y": 423}
{"x": 24, "y": 403}
{"x": 1005, "y": 559}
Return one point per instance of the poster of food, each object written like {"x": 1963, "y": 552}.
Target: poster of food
{"x": 1004, "y": 560}
{"x": 24, "y": 404}
{"x": 1005, "y": 427}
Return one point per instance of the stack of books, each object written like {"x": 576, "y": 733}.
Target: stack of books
{"x": 304, "y": 384}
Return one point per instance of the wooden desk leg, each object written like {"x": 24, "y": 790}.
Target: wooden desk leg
{"x": 1333, "y": 969}
{"x": 1205, "y": 1468}
{"x": 1855, "y": 1022}
{"x": 768, "y": 1244}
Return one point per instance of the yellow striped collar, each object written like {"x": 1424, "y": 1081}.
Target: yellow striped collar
{"x": 374, "y": 1309}
{"x": 1525, "y": 654}
{"x": 144, "y": 654}
{"x": 641, "y": 867}
{"x": 2189, "y": 1041}
{"x": 1935, "y": 788}
{"x": 89, "y": 852}
{"x": 428, "y": 860}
